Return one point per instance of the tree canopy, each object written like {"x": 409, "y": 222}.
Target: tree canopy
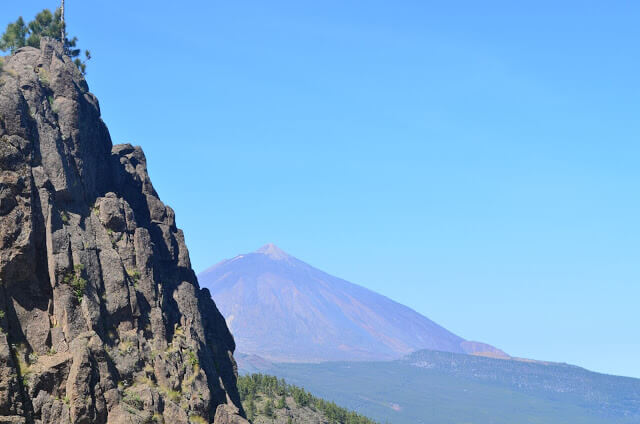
{"x": 45, "y": 24}
{"x": 253, "y": 386}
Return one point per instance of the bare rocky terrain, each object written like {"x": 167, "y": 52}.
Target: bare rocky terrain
{"x": 101, "y": 316}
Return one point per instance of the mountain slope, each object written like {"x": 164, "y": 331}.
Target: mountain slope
{"x": 101, "y": 316}
{"x": 449, "y": 388}
{"x": 283, "y": 309}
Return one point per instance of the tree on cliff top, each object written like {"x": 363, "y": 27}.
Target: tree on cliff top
{"x": 45, "y": 24}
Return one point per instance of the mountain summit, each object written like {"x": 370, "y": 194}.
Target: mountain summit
{"x": 282, "y": 309}
{"x": 273, "y": 252}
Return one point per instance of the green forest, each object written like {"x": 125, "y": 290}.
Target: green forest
{"x": 260, "y": 386}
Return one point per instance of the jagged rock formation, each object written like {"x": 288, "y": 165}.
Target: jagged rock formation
{"x": 102, "y": 319}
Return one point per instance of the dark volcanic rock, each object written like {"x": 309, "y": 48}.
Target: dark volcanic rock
{"x": 102, "y": 319}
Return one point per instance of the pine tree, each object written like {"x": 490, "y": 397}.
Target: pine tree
{"x": 251, "y": 409}
{"x": 15, "y": 36}
{"x": 268, "y": 408}
{"x": 282, "y": 402}
{"x": 45, "y": 24}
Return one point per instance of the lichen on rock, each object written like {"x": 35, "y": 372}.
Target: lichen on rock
{"x": 102, "y": 320}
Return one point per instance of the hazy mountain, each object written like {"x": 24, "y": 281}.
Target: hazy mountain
{"x": 283, "y": 309}
{"x": 448, "y": 388}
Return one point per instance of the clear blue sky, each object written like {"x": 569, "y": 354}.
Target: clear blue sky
{"x": 477, "y": 161}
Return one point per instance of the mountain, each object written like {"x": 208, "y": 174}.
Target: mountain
{"x": 449, "y": 388}
{"x": 283, "y": 309}
{"x": 101, "y": 316}
{"x": 381, "y": 359}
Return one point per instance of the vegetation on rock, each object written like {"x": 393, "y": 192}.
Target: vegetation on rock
{"x": 75, "y": 280}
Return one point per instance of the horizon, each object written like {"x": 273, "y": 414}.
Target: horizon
{"x": 482, "y": 172}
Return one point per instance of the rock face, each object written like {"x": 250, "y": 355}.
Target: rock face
{"x": 101, "y": 316}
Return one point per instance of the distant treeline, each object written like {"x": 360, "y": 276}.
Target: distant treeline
{"x": 255, "y": 385}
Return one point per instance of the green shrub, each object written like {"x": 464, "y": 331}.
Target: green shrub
{"x": 43, "y": 76}
{"x": 133, "y": 399}
{"x": 134, "y": 275}
{"x": 192, "y": 358}
{"x": 196, "y": 419}
{"x": 173, "y": 395}
{"x": 75, "y": 280}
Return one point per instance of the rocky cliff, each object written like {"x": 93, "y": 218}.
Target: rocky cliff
{"x": 101, "y": 316}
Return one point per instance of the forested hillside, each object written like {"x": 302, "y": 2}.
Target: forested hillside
{"x": 267, "y": 399}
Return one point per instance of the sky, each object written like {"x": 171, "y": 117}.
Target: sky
{"x": 476, "y": 161}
